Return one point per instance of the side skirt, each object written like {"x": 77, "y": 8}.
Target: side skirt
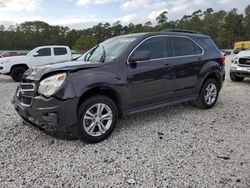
{"x": 158, "y": 105}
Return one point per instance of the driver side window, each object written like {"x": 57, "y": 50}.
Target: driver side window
{"x": 43, "y": 52}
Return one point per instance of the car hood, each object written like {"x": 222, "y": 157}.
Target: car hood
{"x": 37, "y": 73}
{"x": 243, "y": 54}
{"x": 13, "y": 59}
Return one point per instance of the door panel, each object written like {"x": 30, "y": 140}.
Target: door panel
{"x": 43, "y": 56}
{"x": 186, "y": 75}
{"x": 150, "y": 82}
{"x": 61, "y": 54}
{"x": 187, "y": 62}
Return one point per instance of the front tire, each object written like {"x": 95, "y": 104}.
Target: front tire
{"x": 17, "y": 73}
{"x": 235, "y": 78}
{"x": 208, "y": 94}
{"x": 97, "y": 117}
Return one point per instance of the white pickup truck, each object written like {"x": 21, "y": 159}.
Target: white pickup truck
{"x": 17, "y": 65}
{"x": 240, "y": 66}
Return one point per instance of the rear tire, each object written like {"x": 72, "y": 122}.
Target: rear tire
{"x": 208, "y": 94}
{"x": 235, "y": 78}
{"x": 97, "y": 117}
{"x": 17, "y": 73}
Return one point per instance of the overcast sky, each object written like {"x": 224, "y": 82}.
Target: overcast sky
{"x": 80, "y": 14}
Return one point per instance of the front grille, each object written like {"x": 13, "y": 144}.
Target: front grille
{"x": 244, "y": 61}
{"x": 27, "y": 86}
{"x": 26, "y": 92}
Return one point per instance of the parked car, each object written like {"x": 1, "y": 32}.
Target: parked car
{"x": 238, "y": 50}
{"x": 226, "y": 52}
{"x": 240, "y": 66}
{"x": 121, "y": 76}
{"x": 16, "y": 66}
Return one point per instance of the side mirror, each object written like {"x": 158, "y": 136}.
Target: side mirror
{"x": 36, "y": 54}
{"x": 139, "y": 56}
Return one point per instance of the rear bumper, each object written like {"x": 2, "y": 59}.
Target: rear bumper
{"x": 51, "y": 115}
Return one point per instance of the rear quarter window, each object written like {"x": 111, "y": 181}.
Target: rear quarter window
{"x": 208, "y": 44}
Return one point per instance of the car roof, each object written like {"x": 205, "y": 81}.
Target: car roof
{"x": 49, "y": 46}
{"x": 179, "y": 33}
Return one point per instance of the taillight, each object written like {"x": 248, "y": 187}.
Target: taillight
{"x": 222, "y": 59}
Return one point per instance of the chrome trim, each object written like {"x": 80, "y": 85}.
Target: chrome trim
{"x": 26, "y": 90}
{"x": 18, "y": 92}
{"x": 26, "y": 84}
{"x": 26, "y": 105}
{"x": 203, "y": 51}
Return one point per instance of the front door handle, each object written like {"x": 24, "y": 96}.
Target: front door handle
{"x": 168, "y": 67}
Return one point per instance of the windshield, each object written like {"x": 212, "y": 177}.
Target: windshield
{"x": 31, "y": 52}
{"x": 108, "y": 50}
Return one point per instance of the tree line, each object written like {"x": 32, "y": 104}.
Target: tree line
{"x": 225, "y": 27}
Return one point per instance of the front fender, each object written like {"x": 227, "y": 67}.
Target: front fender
{"x": 79, "y": 82}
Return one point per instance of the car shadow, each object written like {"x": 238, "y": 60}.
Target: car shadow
{"x": 152, "y": 116}
{"x": 246, "y": 81}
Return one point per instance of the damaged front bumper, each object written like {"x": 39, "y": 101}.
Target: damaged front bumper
{"x": 240, "y": 71}
{"x": 50, "y": 115}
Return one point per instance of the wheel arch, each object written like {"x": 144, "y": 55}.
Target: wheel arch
{"x": 19, "y": 65}
{"x": 215, "y": 75}
{"x": 105, "y": 91}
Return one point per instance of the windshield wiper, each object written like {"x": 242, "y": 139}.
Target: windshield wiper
{"x": 102, "y": 59}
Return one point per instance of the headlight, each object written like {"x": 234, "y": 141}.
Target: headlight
{"x": 4, "y": 61}
{"x": 235, "y": 60}
{"x": 50, "y": 85}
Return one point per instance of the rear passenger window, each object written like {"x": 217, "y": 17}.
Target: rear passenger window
{"x": 43, "y": 52}
{"x": 156, "y": 47}
{"x": 60, "y": 51}
{"x": 184, "y": 46}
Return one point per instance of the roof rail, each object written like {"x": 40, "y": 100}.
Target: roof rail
{"x": 180, "y": 30}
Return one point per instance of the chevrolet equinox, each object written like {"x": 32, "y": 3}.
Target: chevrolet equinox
{"x": 121, "y": 76}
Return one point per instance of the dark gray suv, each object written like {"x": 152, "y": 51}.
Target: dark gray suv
{"x": 121, "y": 76}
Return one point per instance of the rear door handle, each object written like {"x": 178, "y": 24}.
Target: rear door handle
{"x": 168, "y": 67}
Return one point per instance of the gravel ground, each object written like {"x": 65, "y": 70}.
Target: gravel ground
{"x": 177, "y": 146}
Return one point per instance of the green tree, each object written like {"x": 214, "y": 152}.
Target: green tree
{"x": 162, "y": 18}
{"x": 231, "y": 29}
{"x": 85, "y": 42}
{"x": 247, "y": 23}
{"x": 2, "y": 28}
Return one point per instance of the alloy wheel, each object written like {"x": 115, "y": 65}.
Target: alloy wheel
{"x": 98, "y": 119}
{"x": 210, "y": 94}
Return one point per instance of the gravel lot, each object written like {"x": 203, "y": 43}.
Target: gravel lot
{"x": 177, "y": 146}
